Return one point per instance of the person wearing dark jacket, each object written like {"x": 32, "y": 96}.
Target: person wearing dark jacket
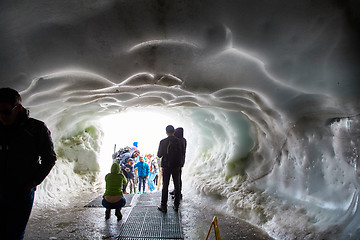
{"x": 27, "y": 156}
{"x": 171, "y": 151}
{"x": 128, "y": 171}
{"x": 179, "y": 133}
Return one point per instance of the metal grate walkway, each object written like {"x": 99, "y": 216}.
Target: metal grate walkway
{"x": 146, "y": 222}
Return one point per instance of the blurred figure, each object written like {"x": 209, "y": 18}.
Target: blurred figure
{"x": 179, "y": 133}
{"x": 113, "y": 197}
{"x": 154, "y": 167}
{"x": 27, "y": 156}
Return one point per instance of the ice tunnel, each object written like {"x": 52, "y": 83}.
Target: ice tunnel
{"x": 267, "y": 92}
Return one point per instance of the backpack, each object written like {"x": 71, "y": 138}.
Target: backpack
{"x": 174, "y": 153}
{"x": 117, "y": 154}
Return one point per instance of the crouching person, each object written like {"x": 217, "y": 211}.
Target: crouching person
{"x": 113, "y": 197}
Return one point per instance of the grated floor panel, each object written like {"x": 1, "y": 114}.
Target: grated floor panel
{"x": 147, "y": 222}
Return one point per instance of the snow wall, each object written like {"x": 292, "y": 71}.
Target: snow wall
{"x": 267, "y": 92}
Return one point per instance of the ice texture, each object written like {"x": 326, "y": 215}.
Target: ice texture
{"x": 267, "y": 92}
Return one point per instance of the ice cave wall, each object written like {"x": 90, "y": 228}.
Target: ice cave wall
{"x": 276, "y": 81}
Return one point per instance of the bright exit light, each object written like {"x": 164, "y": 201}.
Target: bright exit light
{"x": 143, "y": 125}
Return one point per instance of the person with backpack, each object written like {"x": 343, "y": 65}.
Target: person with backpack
{"x": 124, "y": 154}
{"x": 171, "y": 150}
{"x": 27, "y": 157}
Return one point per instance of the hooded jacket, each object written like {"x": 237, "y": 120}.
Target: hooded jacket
{"x": 26, "y": 153}
{"x": 179, "y": 133}
{"x": 130, "y": 173}
{"x": 114, "y": 181}
{"x": 143, "y": 168}
{"x": 169, "y": 162}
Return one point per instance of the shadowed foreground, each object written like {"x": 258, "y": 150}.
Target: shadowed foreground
{"x": 140, "y": 220}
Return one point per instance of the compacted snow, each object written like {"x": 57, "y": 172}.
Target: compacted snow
{"x": 267, "y": 92}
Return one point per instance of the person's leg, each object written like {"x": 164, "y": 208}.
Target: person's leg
{"x": 118, "y": 207}
{"x": 151, "y": 181}
{"x": 173, "y": 192}
{"x": 134, "y": 186}
{"x": 159, "y": 177}
{"x": 180, "y": 183}
{"x": 106, "y": 205}
{"x": 18, "y": 210}
{"x": 156, "y": 179}
{"x": 176, "y": 178}
{"x": 144, "y": 184}
{"x": 107, "y": 213}
{"x": 140, "y": 181}
{"x": 125, "y": 185}
{"x": 164, "y": 194}
{"x": 131, "y": 185}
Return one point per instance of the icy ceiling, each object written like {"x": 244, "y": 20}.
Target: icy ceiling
{"x": 269, "y": 90}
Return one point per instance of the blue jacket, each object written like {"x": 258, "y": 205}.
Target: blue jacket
{"x": 143, "y": 169}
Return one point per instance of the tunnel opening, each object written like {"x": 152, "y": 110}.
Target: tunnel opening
{"x": 146, "y": 126}
{"x": 217, "y": 138}
{"x": 245, "y": 158}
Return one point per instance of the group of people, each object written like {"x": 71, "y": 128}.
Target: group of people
{"x": 137, "y": 169}
{"x": 27, "y": 153}
{"x": 171, "y": 153}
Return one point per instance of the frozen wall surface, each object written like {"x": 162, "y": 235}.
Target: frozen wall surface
{"x": 267, "y": 91}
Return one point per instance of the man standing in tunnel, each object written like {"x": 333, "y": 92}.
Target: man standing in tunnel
{"x": 171, "y": 150}
{"x": 27, "y": 156}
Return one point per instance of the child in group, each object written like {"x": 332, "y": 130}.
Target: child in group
{"x": 143, "y": 173}
{"x": 128, "y": 170}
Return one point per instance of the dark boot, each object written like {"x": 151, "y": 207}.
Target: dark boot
{"x": 162, "y": 208}
{"x": 118, "y": 214}
{"x": 107, "y": 214}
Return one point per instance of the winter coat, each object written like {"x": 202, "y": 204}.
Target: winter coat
{"x": 168, "y": 162}
{"x": 143, "y": 169}
{"x": 26, "y": 152}
{"x": 127, "y": 174}
{"x": 179, "y": 133}
{"x": 114, "y": 181}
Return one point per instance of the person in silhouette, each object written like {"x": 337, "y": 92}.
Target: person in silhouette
{"x": 171, "y": 150}
{"x": 179, "y": 133}
{"x": 27, "y": 156}
{"x": 113, "y": 197}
